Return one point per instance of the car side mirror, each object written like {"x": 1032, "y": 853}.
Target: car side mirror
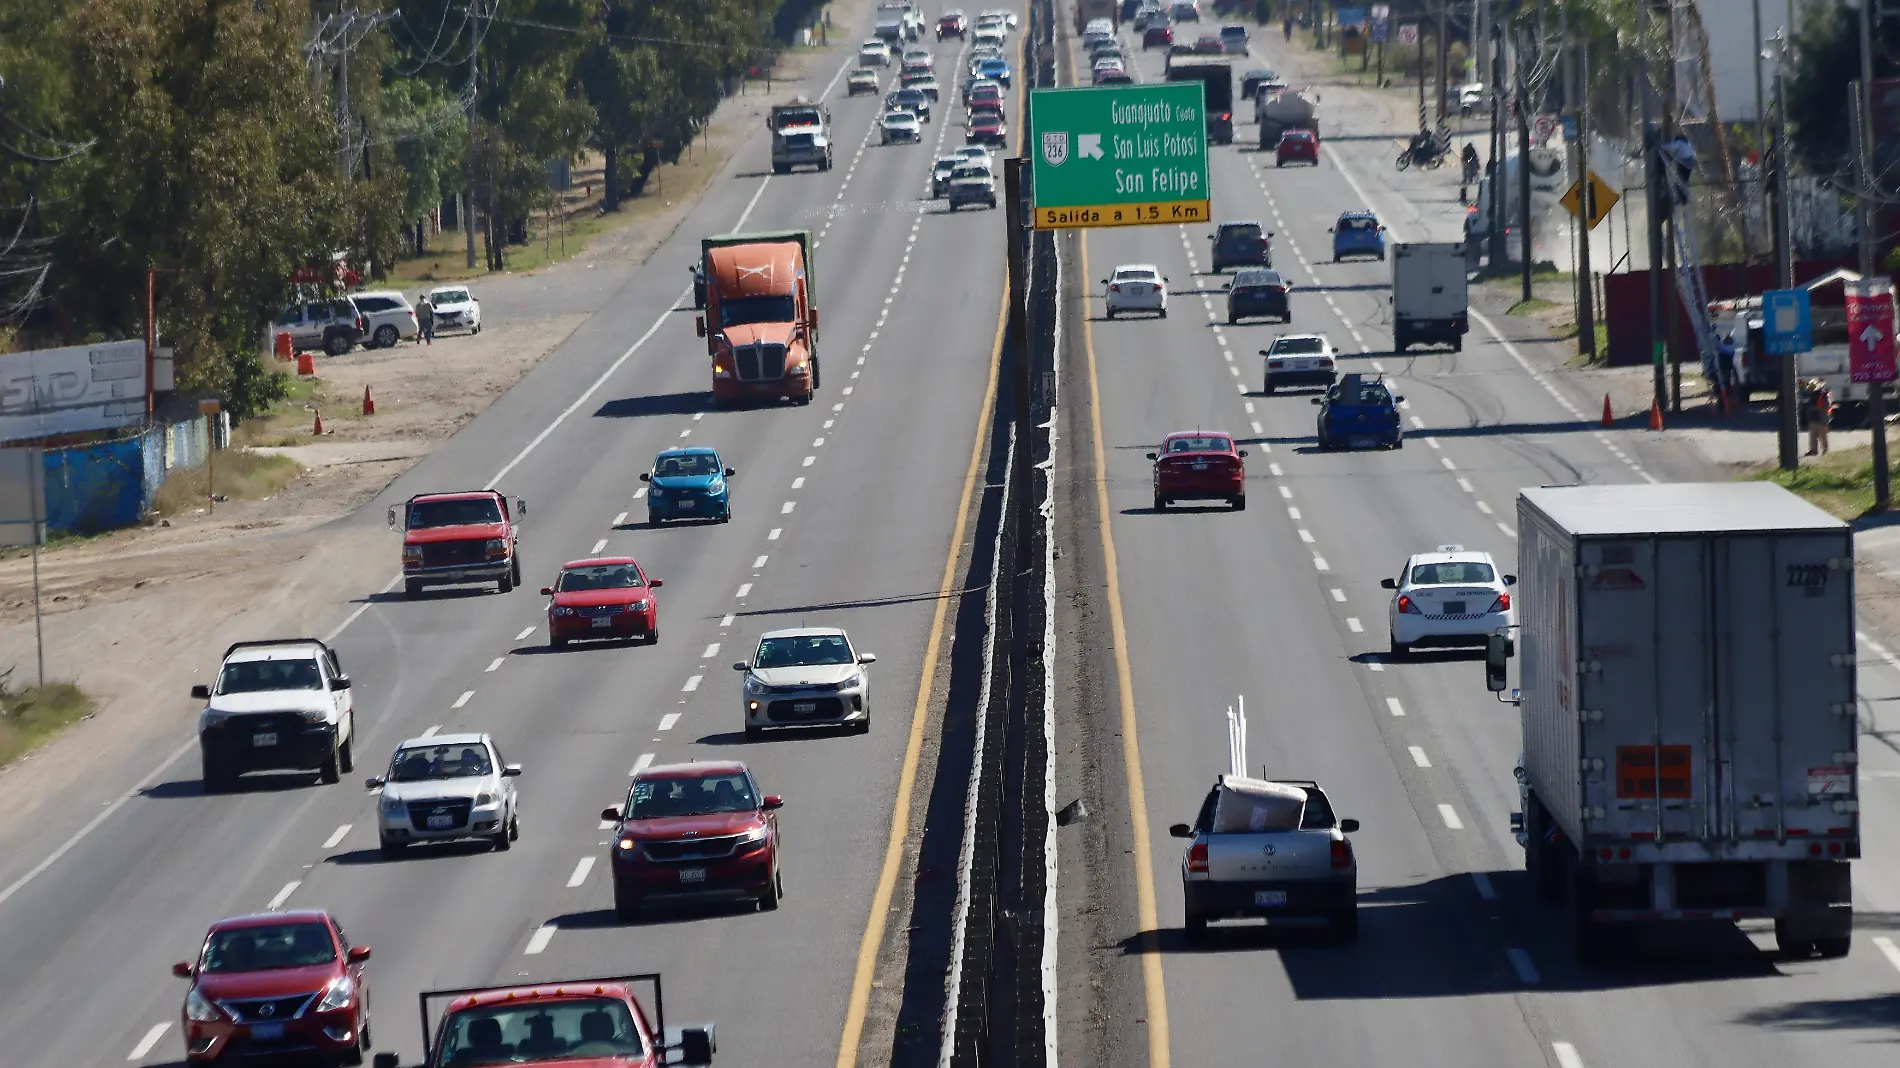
{"x": 1398, "y": 399}
{"x": 387, "y": 1059}
{"x": 1497, "y": 652}
{"x": 1388, "y": 584}
{"x": 1329, "y": 229}
{"x": 644, "y": 477}
{"x": 739, "y": 665}
{"x": 730, "y": 472}
{"x": 511, "y": 771}
{"x": 656, "y": 583}
{"x": 340, "y": 682}
{"x": 201, "y": 692}
{"x": 1348, "y": 826}
{"x": 699, "y": 325}
{"x": 393, "y": 525}
{"x": 182, "y": 970}
{"x": 1510, "y": 580}
{"x": 1316, "y": 400}
{"x": 1150, "y": 455}
{"x": 547, "y": 591}
{"x": 772, "y": 802}
{"x": 1226, "y": 287}
{"x": 359, "y": 954}
{"x": 867, "y": 658}
{"x": 610, "y": 814}
{"x": 1181, "y": 830}
{"x": 1104, "y": 281}
{"x": 374, "y": 782}
{"x": 697, "y": 1046}
{"x": 1243, "y": 452}
{"x": 521, "y": 506}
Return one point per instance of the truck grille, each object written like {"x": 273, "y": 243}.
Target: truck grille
{"x": 760, "y": 363}
{"x": 267, "y": 1010}
{"x": 691, "y": 848}
{"x": 447, "y": 553}
{"x": 456, "y": 811}
{"x": 283, "y": 723}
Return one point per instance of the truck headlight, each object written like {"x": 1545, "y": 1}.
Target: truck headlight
{"x": 392, "y": 805}
{"x": 483, "y": 800}
{"x": 721, "y": 372}
{"x": 338, "y": 994}
{"x": 799, "y": 371}
{"x": 497, "y": 547}
{"x": 313, "y": 715}
{"x": 199, "y": 1008}
{"x": 411, "y": 554}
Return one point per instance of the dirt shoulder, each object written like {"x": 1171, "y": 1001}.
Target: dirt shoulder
{"x": 136, "y": 616}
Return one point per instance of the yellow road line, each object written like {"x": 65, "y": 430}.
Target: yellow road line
{"x": 1145, "y": 911}
{"x": 913, "y": 749}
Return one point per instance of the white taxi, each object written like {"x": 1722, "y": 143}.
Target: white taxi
{"x": 1452, "y": 597}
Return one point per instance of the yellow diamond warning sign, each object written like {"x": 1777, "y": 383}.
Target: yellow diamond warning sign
{"x": 1594, "y": 205}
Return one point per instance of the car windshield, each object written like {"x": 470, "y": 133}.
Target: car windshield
{"x": 662, "y": 797}
{"x": 1295, "y": 346}
{"x": 422, "y": 763}
{"x": 256, "y": 676}
{"x": 543, "y": 1030}
{"x": 1257, "y": 278}
{"x": 454, "y": 513}
{"x": 1358, "y": 223}
{"x": 738, "y": 311}
{"x": 684, "y": 464}
{"x": 599, "y": 577}
{"x": 803, "y": 650}
{"x": 257, "y": 949}
{"x": 970, "y": 174}
{"x": 1453, "y": 573}
{"x": 1239, "y": 233}
{"x": 449, "y": 296}
{"x": 1200, "y": 443}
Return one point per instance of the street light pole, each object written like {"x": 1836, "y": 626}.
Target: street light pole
{"x": 1864, "y": 204}
{"x": 1658, "y": 347}
{"x": 1784, "y": 267}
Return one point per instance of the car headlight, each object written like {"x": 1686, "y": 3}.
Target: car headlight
{"x": 853, "y": 682}
{"x": 657, "y": 492}
{"x": 338, "y": 994}
{"x": 753, "y": 685}
{"x": 756, "y": 834}
{"x": 392, "y": 805}
{"x": 199, "y": 1008}
{"x": 637, "y": 606}
{"x": 483, "y": 800}
{"x": 625, "y": 845}
{"x": 563, "y": 610}
{"x": 212, "y": 717}
{"x": 717, "y": 485}
{"x": 497, "y": 547}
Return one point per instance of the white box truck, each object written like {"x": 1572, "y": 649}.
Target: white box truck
{"x": 1688, "y": 710}
{"x": 1429, "y": 294}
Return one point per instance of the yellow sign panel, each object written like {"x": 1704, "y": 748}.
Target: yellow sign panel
{"x": 1148, "y": 214}
{"x": 1602, "y": 199}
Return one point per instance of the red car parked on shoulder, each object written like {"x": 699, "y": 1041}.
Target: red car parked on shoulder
{"x": 607, "y": 597}
{"x": 699, "y": 831}
{"x": 275, "y": 985}
{"x": 1297, "y": 145}
{"x": 1199, "y": 465}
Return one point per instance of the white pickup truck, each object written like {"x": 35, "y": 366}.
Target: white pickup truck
{"x": 1269, "y": 849}
{"x": 282, "y": 705}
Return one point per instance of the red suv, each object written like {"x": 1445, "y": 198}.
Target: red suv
{"x": 1199, "y": 465}
{"x": 451, "y": 539}
{"x": 699, "y": 831}
{"x": 1296, "y": 145}
{"x": 274, "y": 985}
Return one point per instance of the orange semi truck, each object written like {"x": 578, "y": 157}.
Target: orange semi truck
{"x": 761, "y": 321}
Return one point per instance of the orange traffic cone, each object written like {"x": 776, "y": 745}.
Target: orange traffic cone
{"x": 1655, "y": 415}
{"x": 318, "y": 427}
{"x": 369, "y": 405}
{"x": 1608, "y": 418}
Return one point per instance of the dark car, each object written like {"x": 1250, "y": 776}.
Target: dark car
{"x": 1253, "y": 78}
{"x": 1198, "y": 465}
{"x": 1258, "y": 292}
{"x": 1359, "y": 413}
{"x": 1208, "y": 44}
{"x": 695, "y": 832}
{"x": 273, "y": 986}
{"x": 914, "y": 101}
{"x": 1159, "y": 33}
{"x": 1299, "y": 146}
{"x": 1241, "y": 244}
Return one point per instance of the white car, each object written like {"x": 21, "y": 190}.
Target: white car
{"x": 927, "y": 85}
{"x": 445, "y": 787}
{"x": 456, "y": 309}
{"x": 388, "y": 318}
{"x": 1137, "y": 287}
{"x": 803, "y": 678}
{"x": 920, "y": 59}
{"x": 940, "y": 173}
{"x": 972, "y": 183}
{"x": 1451, "y": 597}
{"x": 1299, "y": 360}
{"x": 874, "y": 53}
{"x": 280, "y": 705}
{"x": 861, "y": 80}
{"x": 977, "y": 153}
{"x": 900, "y": 128}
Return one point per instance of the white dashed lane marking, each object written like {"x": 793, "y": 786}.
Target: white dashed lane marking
{"x": 495, "y": 664}
{"x": 430, "y": 733}
{"x": 619, "y": 519}
{"x": 1392, "y": 705}
{"x": 691, "y": 684}
{"x": 147, "y": 1043}
{"x": 1450, "y": 816}
{"x": 1353, "y": 624}
{"x": 336, "y": 837}
{"x": 667, "y": 721}
{"x": 1567, "y": 1055}
{"x": 809, "y": 460}
{"x": 1338, "y": 595}
{"x": 744, "y": 589}
{"x": 640, "y": 765}
{"x": 580, "y": 872}
{"x": 773, "y": 536}
{"x": 726, "y": 621}
{"x": 526, "y": 632}
{"x": 1419, "y": 757}
{"x": 712, "y": 650}
{"x": 759, "y": 563}
{"x": 283, "y": 895}
{"x": 540, "y": 939}
{"x": 464, "y": 699}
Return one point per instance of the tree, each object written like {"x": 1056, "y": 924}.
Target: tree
{"x": 1826, "y": 63}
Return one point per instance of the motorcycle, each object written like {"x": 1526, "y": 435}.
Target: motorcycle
{"x": 1431, "y": 157}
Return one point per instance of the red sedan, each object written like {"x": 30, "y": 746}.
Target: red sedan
{"x": 950, "y": 25}
{"x": 609, "y": 597}
{"x": 699, "y": 831}
{"x": 1198, "y": 465}
{"x": 986, "y": 128}
{"x": 1296, "y": 145}
{"x": 273, "y": 985}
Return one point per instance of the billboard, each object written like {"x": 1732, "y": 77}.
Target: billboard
{"x": 72, "y": 390}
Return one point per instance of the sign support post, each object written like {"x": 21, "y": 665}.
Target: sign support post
{"x": 1132, "y": 155}
{"x": 1870, "y": 329}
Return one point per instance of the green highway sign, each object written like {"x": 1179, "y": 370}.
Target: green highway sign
{"x": 1122, "y": 155}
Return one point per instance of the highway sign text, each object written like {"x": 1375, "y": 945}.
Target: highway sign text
{"x": 1132, "y": 155}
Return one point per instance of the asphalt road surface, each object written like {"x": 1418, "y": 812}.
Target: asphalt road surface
{"x": 844, "y": 513}
{"x": 1456, "y": 962}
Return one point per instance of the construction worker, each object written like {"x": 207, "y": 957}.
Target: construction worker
{"x": 1725, "y": 372}
{"x": 1816, "y": 407}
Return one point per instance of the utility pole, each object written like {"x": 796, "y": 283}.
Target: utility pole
{"x": 343, "y": 104}
{"x": 468, "y": 178}
{"x": 1658, "y": 347}
{"x": 1586, "y": 297}
{"x": 1864, "y": 203}
{"x": 1784, "y": 267}
{"x": 1497, "y": 256}
{"x": 1761, "y": 121}
{"x": 1421, "y": 69}
{"x": 1442, "y": 89}
{"x": 1671, "y": 115}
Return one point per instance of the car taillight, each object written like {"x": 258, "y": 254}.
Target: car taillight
{"x": 1502, "y": 604}
{"x": 1197, "y": 857}
{"x": 1407, "y": 606}
{"x": 1275, "y": 363}
{"x": 1277, "y": 289}
{"x": 1342, "y": 854}
{"x": 1114, "y": 287}
{"x": 1226, "y": 116}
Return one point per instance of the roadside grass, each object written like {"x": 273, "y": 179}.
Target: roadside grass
{"x": 34, "y": 715}
{"x": 1841, "y": 482}
{"x": 289, "y": 421}
{"x": 235, "y": 474}
{"x": 1531, "y": 306}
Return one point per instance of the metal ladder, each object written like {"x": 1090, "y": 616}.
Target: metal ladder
{"x": 1689, "y": 283}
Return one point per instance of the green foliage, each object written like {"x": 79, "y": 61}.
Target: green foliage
{"x": 1827, "y": 60}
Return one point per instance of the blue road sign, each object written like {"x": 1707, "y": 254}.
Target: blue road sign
{"x": 1787, "y": 322}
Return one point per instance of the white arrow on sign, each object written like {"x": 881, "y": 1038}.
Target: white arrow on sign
{"x": 1088, "y": 146}
{"x": 1871, "y": 336}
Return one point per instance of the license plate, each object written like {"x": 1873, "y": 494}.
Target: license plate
{"x": 687, "y": 506}
{"x": 804, "y": 706}
{"x": 603, "y": 621}
{"x": 264, "y": 739}
{"x": 1200, "y": 467}
{"x": 267, "y": 1031}
{"x": 1269, "y": 898}
{"x": 692, "y": 875}
{"x": 441, "y": 823}
{"x": 1362, "y": 443}
{"x": 1454, "y": 608}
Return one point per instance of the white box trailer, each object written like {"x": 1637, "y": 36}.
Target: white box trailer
{"x": 1688, "y": 709}
{"x": 1430, "y": 294}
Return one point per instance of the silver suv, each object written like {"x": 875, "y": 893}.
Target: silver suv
{"x": 333, "y": 325}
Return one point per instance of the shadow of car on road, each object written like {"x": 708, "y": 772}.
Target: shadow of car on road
{"x": 656, "y": 404}
{"x": 256, "y": 783}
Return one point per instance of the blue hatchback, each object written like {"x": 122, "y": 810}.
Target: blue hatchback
{"x": 994, "y": 67}
{"x": 1360, "y": 412}
{"x": 1358, "y": 233}
{"x": 688, "y": 483}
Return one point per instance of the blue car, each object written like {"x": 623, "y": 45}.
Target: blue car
{"x": 994, "y": 67}
{"x": 688, "y": 483}
{"x": 1358, "y": 233}
{"x": 1359, "y": 413}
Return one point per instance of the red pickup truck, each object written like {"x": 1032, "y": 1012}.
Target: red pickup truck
{"x": 579, "y": 1023}
{"x": 450, "y": 539}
